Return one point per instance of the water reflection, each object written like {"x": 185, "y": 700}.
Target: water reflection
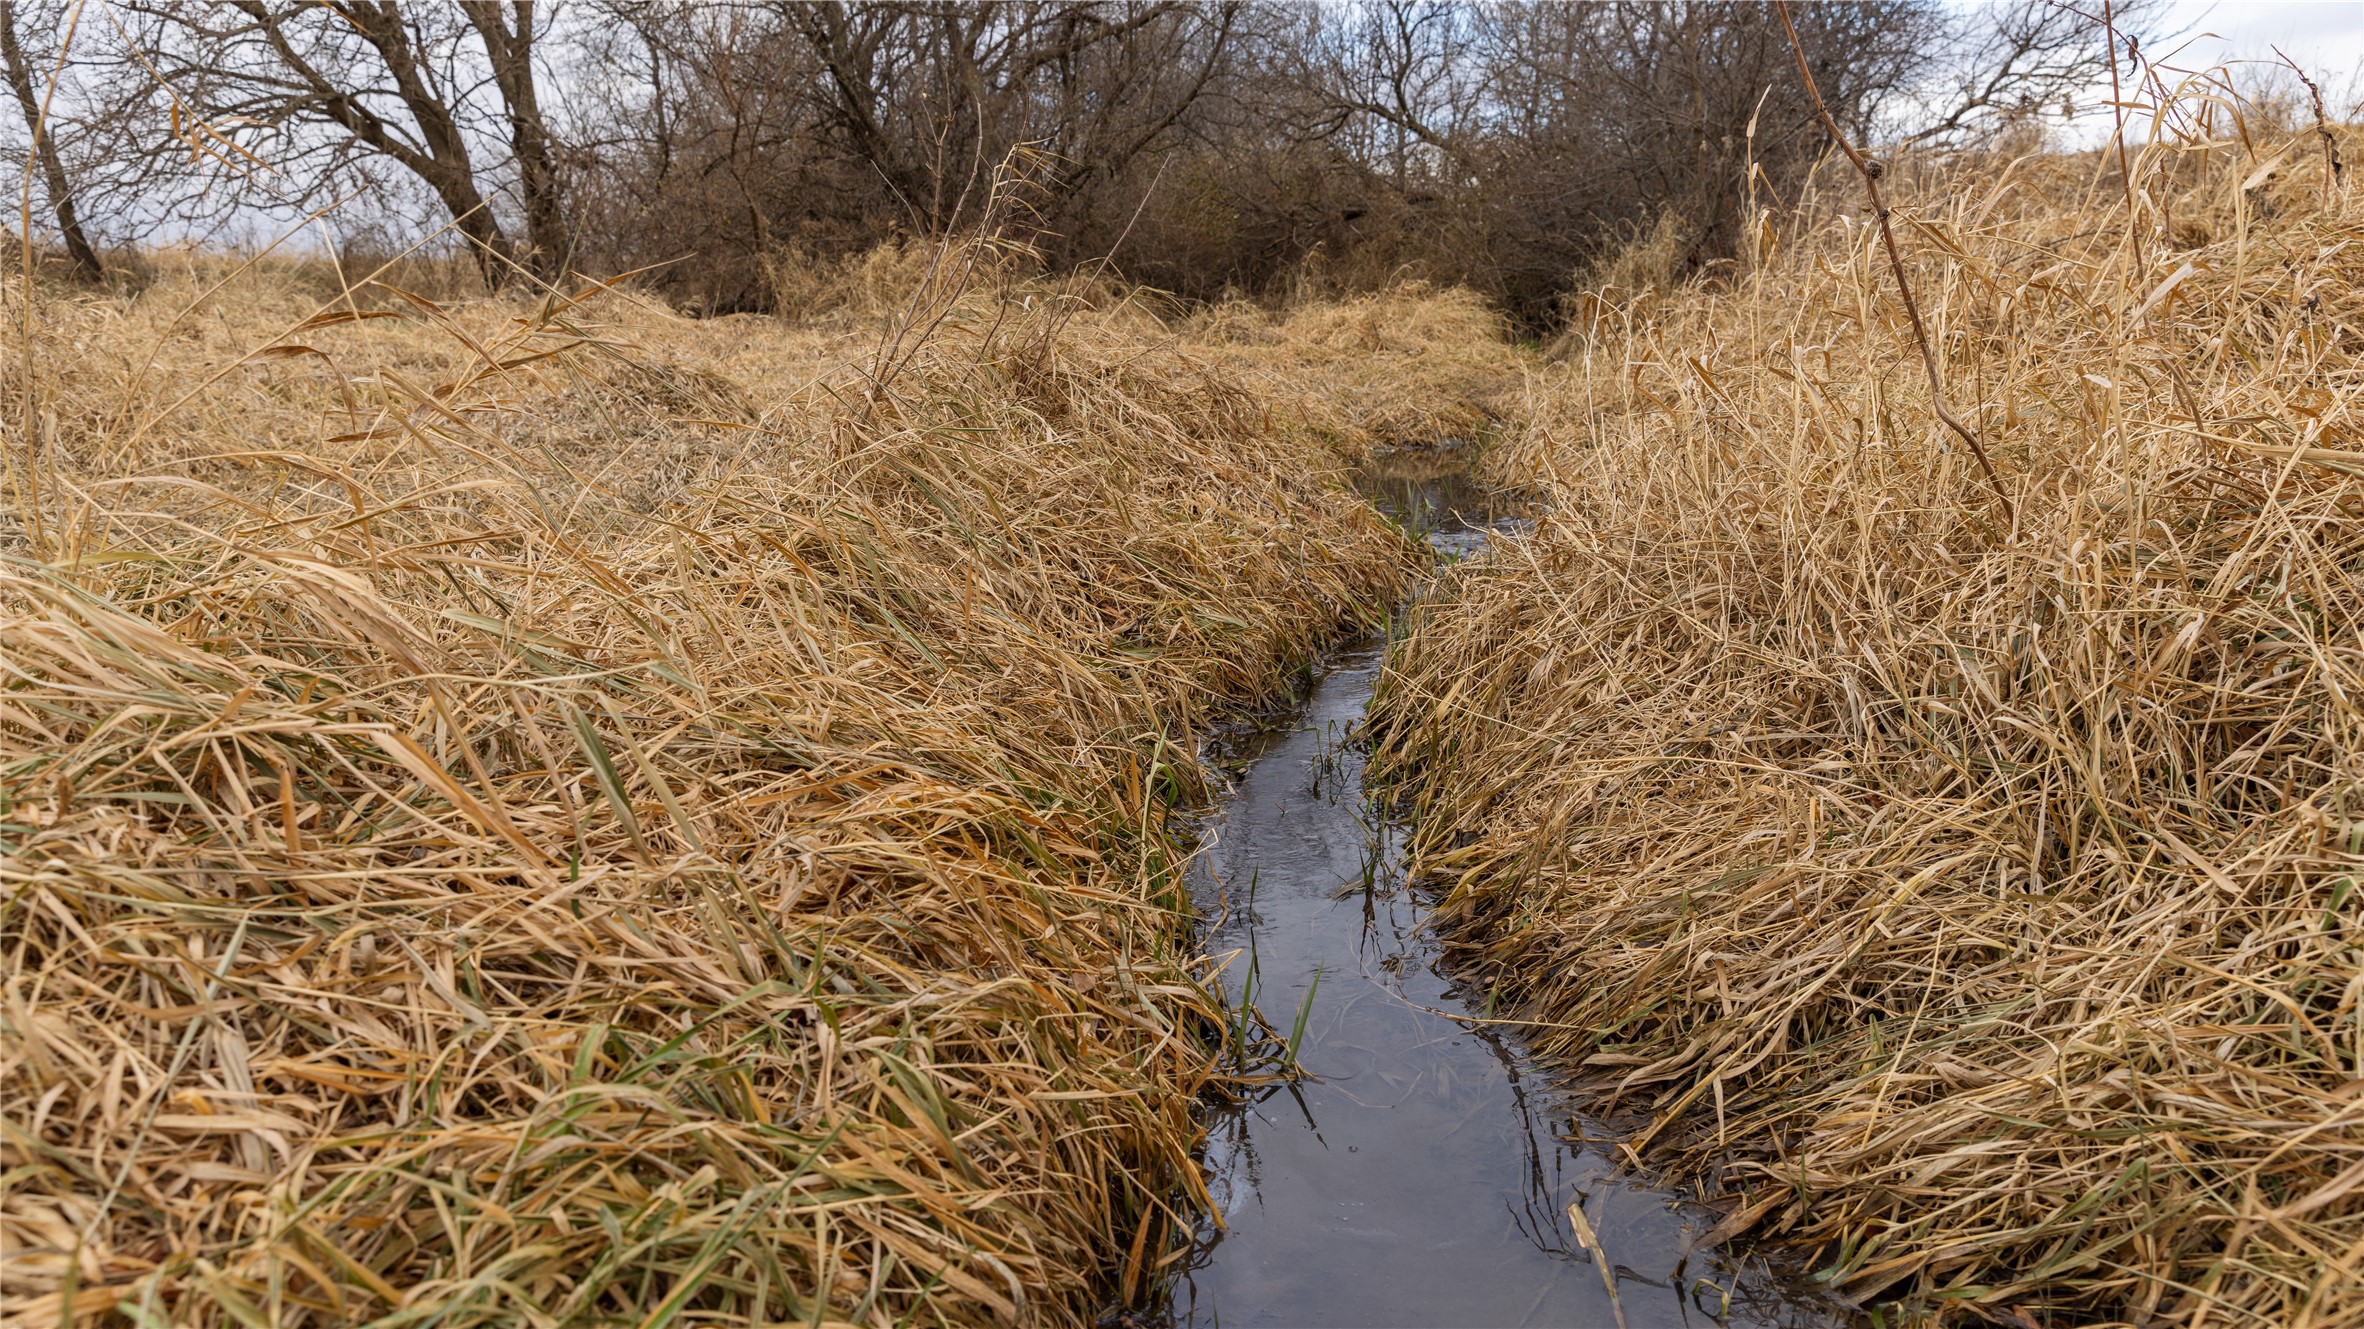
{"x": 1422, "y": 1175}
{"x": 1431, "y": 492}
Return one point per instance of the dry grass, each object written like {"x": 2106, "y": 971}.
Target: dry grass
{"x": 861, "y": 290}
{"x": 562, "y": 814}
{"x": 1409, "y": 366}
{"x": 1977, "y": 907}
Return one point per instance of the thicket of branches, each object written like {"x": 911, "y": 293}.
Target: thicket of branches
{"x": 1202, "y": 147}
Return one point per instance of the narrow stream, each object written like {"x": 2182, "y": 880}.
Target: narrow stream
{"x": 1421, "y": 1174}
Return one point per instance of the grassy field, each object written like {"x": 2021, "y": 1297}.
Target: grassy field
{"x": 535, "y": 812}
{"x": 1966, "y": 891}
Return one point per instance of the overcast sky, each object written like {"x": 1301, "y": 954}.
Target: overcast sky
{"x": 2324, "y": 38}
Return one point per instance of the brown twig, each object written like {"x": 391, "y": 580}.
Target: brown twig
{"x": 2109, "y": 30}
{"x": 1871, "y": 172}
{"x": 2339, "y": 170}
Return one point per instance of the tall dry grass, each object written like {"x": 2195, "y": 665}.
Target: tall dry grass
{"x": 1410, "y": 365}
{"x": 1976, "y": 907}
{"x": 537, "y": 813}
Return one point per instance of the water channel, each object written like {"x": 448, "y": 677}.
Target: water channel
{"x": 1421, "y": 1172}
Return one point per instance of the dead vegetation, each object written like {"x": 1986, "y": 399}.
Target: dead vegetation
{"x": 1407, "y": 366}
{"x": 1974, "y": 905}
{"x": 553, "y": 813}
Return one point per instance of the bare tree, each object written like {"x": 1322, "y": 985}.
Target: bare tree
{"x": 507, "y": 31}
{"x": 1226, "y": 145}
{"x": 2016, "y": 59}
{"x": 42, "y": 142}
{"x": 799, "y": 128}
{"x": 1406, "y": 68}
{"x": 1598, "y": 121}
{"x": 931, "y": 93}
{"x": 709, "y": 145}
{"x": 348, "y": 82}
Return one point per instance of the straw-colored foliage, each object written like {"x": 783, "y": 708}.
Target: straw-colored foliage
{"x": 1411, "y": 365}
{"x": 860, "y": 289}
{"x": 558, "y": 813}
{"x": 1977, "y": 907}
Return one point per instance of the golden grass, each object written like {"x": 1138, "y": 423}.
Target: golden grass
{"x": 553, "y": 813}
{"x": 1976, "y": 907}
{"x": 1409, "y": 366}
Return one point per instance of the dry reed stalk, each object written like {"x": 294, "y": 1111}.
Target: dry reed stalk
{"x": 1981, "y": 914}
{"x": 506, "y": 823}
{"x": 1871, "y": 171}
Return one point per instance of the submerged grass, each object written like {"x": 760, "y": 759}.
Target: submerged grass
{"x": 557, "y": 813}
{"x": 1977, "y": 906}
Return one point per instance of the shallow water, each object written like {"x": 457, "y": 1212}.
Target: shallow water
{"x": 1422, "y": 1174}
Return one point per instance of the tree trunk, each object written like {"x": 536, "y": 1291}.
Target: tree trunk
{"x": 448, "y": 171}
{"x": 443, "y": 166}
{"x": 53, "y": 171}
{"x": 511, "y": 52}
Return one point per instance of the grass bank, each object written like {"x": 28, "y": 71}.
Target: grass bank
{"x": 539, "y": 813}
{"x": 1972, "y": 902}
